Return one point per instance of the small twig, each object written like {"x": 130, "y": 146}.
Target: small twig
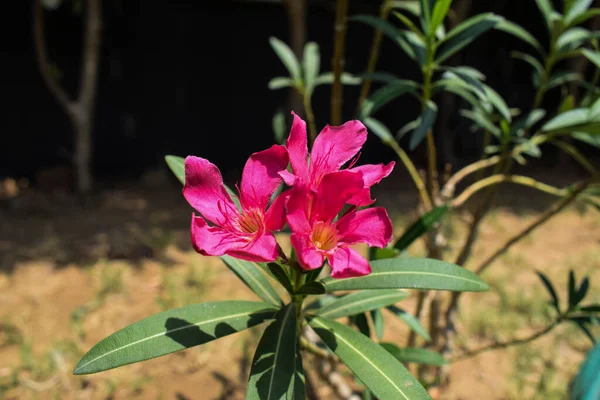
{"x": 450, "y": 186}
{"x": 414, "y": 174}
{"x": 505, "y": 344}
{"x": 341, "y": 10}
{"x": 496, "y": 179}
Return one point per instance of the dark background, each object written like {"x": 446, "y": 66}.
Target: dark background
{"x": 191, "y": 78}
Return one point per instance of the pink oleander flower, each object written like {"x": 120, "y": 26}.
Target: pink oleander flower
{"x": 333, "y": 147}
{"x": 317, "y": 235}
{"x": 245, "y": 233}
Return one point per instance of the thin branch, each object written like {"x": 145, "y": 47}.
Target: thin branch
{"x": 508, "y": 343}
{"x": 310, "y": 117}
{"x": 573, "y": 152}
{"x": 549, "y": 213}
{"x": 39, "y": 41}
{"x": 414, "y": 174}
{"x": 449, "y": 187}
{"x": 496, "y": 179}
{"x": 91, "y": 55}
{"x": 375, "y": 46}
{"x": 341, "y": 11}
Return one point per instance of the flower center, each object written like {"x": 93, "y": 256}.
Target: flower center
{"x": 251, "y": 221}
{"x": 324, "y": 236}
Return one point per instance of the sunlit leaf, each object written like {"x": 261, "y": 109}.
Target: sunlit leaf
{"x": 249, "y": 273}
{"x": 414, "y": 355}
{"x": 577, "y": 8}
{"x": 547, "y": 10}
{"x": 360, "y": 302}
{"x": 410, "y": 320}
{"x": 287, "y": 57}
{"x": 379, "y": 129}
{"x": 440, "y": 9}
{"x": 571, "y": 39}
{"x": 378, "y": 323}
{"x": 576, "y": 120}
{"x": 311, "y": 62}
{"x": 177, "y": 166}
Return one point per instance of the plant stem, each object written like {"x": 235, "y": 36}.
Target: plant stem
{"x": 414, "y": 174}
{"x": 549, "y": 213}
{"x": 573, "y": 152}
{"x": 508, "y": 343}
{"x": 341, "y": 10}
{"x": 496, "y": 179}
{"x": 375, "y": 46}
{"x": 450, "y": 186}
{"x": 310, "y": 116}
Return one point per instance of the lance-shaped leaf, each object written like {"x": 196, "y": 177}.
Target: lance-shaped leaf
{"x": 593, "y": 56}
{"x": 360, "y": 302}
{"x": 384, "y": 95}
{"x": 411, "y": 273}
{"x": 410, "y": 320}
{"x": 575, "y": 9}
{"x": 545, "y": 7}
{"x": 378, "y": 322}
{"x": 519, "y": 32}
{"x": 249, "y": 273}
{"x": 581, "y": 18}
{"x": 420, "y": 226}
{"x": 380, "y": 130}
{"x": 471, "y": 77}
{"x": 361, "y": 322}
{"x": 550, "y": 288}
{"x": 281, "y": 275}
{"x": 414, "y": 355}
{"x": 482, "y": 121}
{"x": 498, "y": 102}
{"x": 426, "y": 122}
{"x": 385, "y": 376}
{"x": 465, "y": 33}
{"x": 378, "y": 76}
{"x": 571, "y": 39}
{"x": 311, "y": 62}
{"x": 280, "y": 82}
{"x": 531, "y": 60}
{"x": 172, "y": 331}
{"x": 592, "y": 140}
{"x": 299, "y": 379}
{"x": 526, "y": 122}
{"x": 287, "y": 57}
{"x": 177, "y": 166}
{"x": 346, "y": 79}
{"x": 576, "y": 120}
{"x": 440, "y": 9}
{"x": 312, "y": 288}
{"x": 273, "y": 369}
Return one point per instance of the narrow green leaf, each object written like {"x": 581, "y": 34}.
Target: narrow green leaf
{"x": 425, "y": 14}
{"x": 408, "y": 127}
{"x": 472, "y": 83}
{"x": 592, "y": 140}
{"x": 281, "y": 275}
{"x": 545, "y": 6}
{"x": 311, "y": 62}
{"x": 582, "y": 291}
{"x": 386, "y": 94}
{"x": 561, "y": 78}
{"x": 380, "y": 254}
{"x": 462, "y": 90}
{"x": 440, "y": 9}
{"x": 273, "y": 369}
{"x": 384, "y": 77}
{"x": 577, "y": 8}
{"x": 498, "y": 102}
{"x": 361, "y": 322}
{"x": 571, "y": 39}
{"x": 408, "y": 23}
{"x": 385, "y": 27}
{"x": 593, "y": 56}
{"x": 177, "y": 166}
{"x": 581, "y": 18}
{"x": 321, "y": 302}
{"x": 379, "y": 129}
{"x": 590, "y": 308}
{"x": 410, "y": 320}
{"x": 550, "y": 288}
{"x": 299, "y": 379}
{"x": 411, "y": 273}
{"x": 172, "y": 331}
{"x": 411, "y": 6}
{"x": 529, "y": 59}
{"x": 280, "y": 82}
{"x": 287, "y": 57}
{"x": 571, "y": 289}
{"x": 465, "y": 33}
{"x": 360, "y": 302}
{"x": 576, "y": 120}
{"x": 419, "y": 227}
{"x": 249, "y": 273}
{"x": 482, "y": 121}
{"x": 520, "y": 33}
{"x": 313, "y": 274}
{"x": 526, "y": 122}
{"x": 375, "y": 367}
{"x": 426, "y": 123}
{"x": 279, "y": 128}
{"x": 414, "y": 355}
{"x": 346, "y": 79}
{"x": 378, "y": 323}
{"x": 312, "y": 288}
{"x": 581, "y": 324}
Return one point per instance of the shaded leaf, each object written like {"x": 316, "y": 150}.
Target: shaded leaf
{"x": 249, "y": 273}
{"x": 550, "y": 288}
{"x": 521, "y": 33}
{"x": 360, "y": 302}
{"x": 420, "y": 226}
{"x": 386, "y": 94}
{"x": 414, "y": 355}
{"x": 378, "y": 323}
{"x": 593, "y": 56}
{"x": 379, "y": 129}
{"x": 281, "y": 275}
{"x": 287, "y": 57}
{"x": 313, "y": 274}
{"x": 360, "y": 321}
{"x": 410, "y": 320}
{"x": 427, "y": 120}
{"x": 582, "y": 291}
{"x": 312, "y": 288}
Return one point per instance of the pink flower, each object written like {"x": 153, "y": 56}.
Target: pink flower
{"x": 245, "y": 233}
{"x": 333, "y": 147}
{"x": 317, "y": 236}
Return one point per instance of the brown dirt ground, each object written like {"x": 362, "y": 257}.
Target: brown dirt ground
{"x": 128, "y": 257}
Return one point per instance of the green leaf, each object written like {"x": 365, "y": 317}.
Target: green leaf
{"x": 571, "y": 39}
{"x": 384, "y": 77}
{"x": 571, "y": 289}
{"x": 427, "y": 120}
{"x": 580, "y": 322}
{"x": 346, "y": 79}
{"x": 274, "y": 364}
{"x": 526, "y": 122}
{"x": 425, "y": 14}
{"x": 440, "y": 9}
{"x": 299, "y": 379}
{"x": 360, "y": 302}
{"x": 582, "y": 291}
{"x": 408, "y": 127}
{"x": 592, "y": 140}
{"x": 385, "y": 27}
{"x": 414, "y": 355}
{"x": 550, "y": 288}
{"x": 379, "y": 129}
{"x": 561, "y": 78}
{"x": 581, "y": 18}
{"x": 590, "y": 308}
{"x": 360, "y": 321}
{"x": 287, "y": 57}
{"x": 577, "y": 8}
{"x": 472, "y": 83}
{"x": 312, "y": 288}
{"x": 172, "y": 331}
{"x": 249, "y": 273}
{"x": 465, "y": 33}
{"x": 482, "y": 121}
{"x": 375, "y": 367}
{"x": 410, "y": 320}
{"x": 593, "y": 56}
{"x": 520, "y": 33}
{"x": 177, "y": 166}
{"x": 280, "y": 82}
{"x": 387, "y": 93}
{"x": 408, "y": 23}
{"x": 529, "y": 59}
{"x": 498, "y": 102}
{"x": 313, "y": 274}
{"x": 378, "y": 323}
{"x": 411, "y": 6}
{"x": 321, "y": 302}
{"x": 419, "y": 227}
{"x": 279, "y": 128}
{"x": 576, "y": 120}
{"x": 461, "y": 89}
{"x": 311, "y": 62}
{"x": 377, "y": 253}
{"x": 281, "y": 275}
{"x": 411, "y": 273}
{"x": 547, "y": 10}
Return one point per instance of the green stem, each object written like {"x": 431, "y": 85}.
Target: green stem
{"x": 414, "y": 174}
{"x": 310, "y": 116}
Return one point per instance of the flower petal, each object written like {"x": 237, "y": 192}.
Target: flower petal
{"x": 334, "y": 146}
{"x": 261, "y": 249}
{"x": 261, "y": 178}
{"x": 297, "y": 147}
{"x": 372, "y": 174}
{"x": 205, "y": 192}
{"x": 212, "y": 240}
{"x": 275, "y": 215}
{"x": 371, "y": 226}
{"x": 335, "y": 189}
{"x": 308, "y": 257}
{"x": 347, "y": 263}
{"x": 297, "y": 209}
{"x": 288, "y": 177}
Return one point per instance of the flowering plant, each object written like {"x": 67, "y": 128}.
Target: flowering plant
{"x": 326, "y": 209}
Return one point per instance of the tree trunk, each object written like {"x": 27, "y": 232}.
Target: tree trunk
{"x": 296, "y": 10}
